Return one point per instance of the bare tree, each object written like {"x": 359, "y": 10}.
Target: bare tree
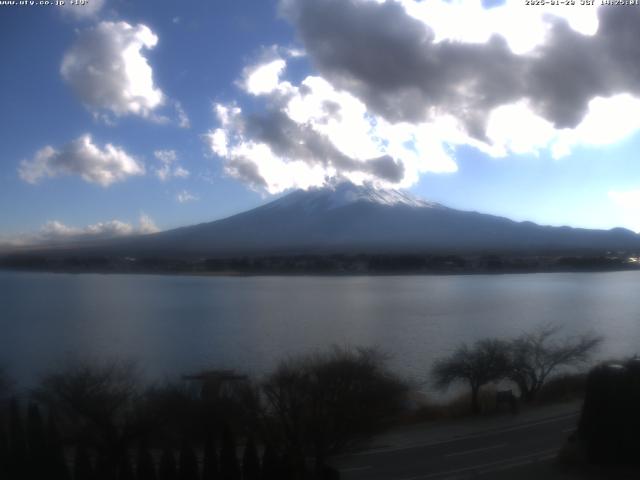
{"x": 96, "y": 405}
{"x": 537, "y": 354}
{"x": 324, "y": 403}
{"x": 485, "y": 361}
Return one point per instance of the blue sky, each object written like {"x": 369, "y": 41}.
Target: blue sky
{"x": 121, "y": 117}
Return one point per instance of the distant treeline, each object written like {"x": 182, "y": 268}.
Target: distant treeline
{"x": 324, "y": 264}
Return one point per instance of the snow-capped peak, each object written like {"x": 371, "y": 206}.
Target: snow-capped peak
{"x": 335, "y": 196}
{"x": 346, "y": 193}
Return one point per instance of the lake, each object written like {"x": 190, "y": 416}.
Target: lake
{"x": 172, "y": 325}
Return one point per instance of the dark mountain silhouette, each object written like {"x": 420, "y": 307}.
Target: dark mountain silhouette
{"x": 360, "y": 219}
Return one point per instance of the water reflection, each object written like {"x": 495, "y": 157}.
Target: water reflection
{"x": 173, "y": 324}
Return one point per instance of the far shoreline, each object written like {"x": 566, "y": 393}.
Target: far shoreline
{"x": 336, "y": 274}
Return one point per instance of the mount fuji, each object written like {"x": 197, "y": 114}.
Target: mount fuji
{"x": 350, "y": 219}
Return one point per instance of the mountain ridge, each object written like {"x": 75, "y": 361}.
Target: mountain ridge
{"x": 350, "y": 219}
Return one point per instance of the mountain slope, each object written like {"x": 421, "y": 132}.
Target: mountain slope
{"x": 353, "y": 219}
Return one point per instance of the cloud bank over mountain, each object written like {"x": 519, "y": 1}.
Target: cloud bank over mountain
{"x": 56, "y": 232}
{"x": 391, "y": 60}
{"x": 399, "y": 87}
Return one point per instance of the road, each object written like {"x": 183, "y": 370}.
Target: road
{"x": 475, "y": 455}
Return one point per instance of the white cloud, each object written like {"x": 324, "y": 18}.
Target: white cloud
{"x": 628, "y": 202}
{"x": 414, "y": 61}
{"x": 183, "y": 119}
{"x": 518, "y": 129}
{"x": 185, "y": 196}
{"x": 402, "y": 83}
{"x": 82, "y": 157}
{"x": 169, "y": 168}
{"x": 275, "y": 152}
{"x": 264, "y": 78}
{"x": 108, "y": 71}
{"x": 523, "y": 27}
{"x": 164, "y": 172}
{"x": 85, "y": 10}
{"x": 166, "y": 156}
{"x": 607, "y": 121}
{"x": 57, "y": 232}
{"x": 146, "y": 225}
{"x": 314, "y": 133}
{"x": 181, "y": 172}
{"x": 218, "y": 141}
{"x": 8, "y": 242}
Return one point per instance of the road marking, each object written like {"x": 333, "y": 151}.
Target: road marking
{"x": 355, "y": 469}
{"x": 464, "y": 437}
{"x": 488, "y": 467}
{"x": 567, "y": 430}
{"x": 466, "y": 452}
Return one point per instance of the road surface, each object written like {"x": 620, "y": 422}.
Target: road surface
{"x": 475, "y": 455}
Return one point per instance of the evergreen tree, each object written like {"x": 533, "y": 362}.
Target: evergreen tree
{"x": 188, "y": 462}
{"x": 250, "y": 461}
{"x": 168, "y": 469}
{"x": 210, "y": 467}
{"x": 229, "y": 468}
{"x": 37, "y": 443}
{"x": 146, "y": 466}
{"x": 270, "y": 467}
{"x": 82, "y": 467}
{"x": 105, "y": 469}
{"x": 17, "y": 444}
{"x": 56, "y": 463}
{"x": 4, "y": 453}
{"x": 125, "y": 470}
{"x": 288, "y": 467}
{"x": 328, "y": 473}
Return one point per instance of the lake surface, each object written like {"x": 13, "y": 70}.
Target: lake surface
{"x": 178, "y": 324}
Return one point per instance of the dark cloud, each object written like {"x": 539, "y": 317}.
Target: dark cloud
{"x": 571, "y": 68}
{"x": 246, "y": 171}
{"x": 288, "y": 139}
{"x": 332, "y": 109}
{"x": 389, "y": 60}
{"x": 387, "y": 168}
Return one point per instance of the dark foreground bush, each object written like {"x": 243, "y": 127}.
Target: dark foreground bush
{"x": 456, "y": 407}
{"x": 562, "y": 388}
{"x": 322, "y": 404}
{"x": 610, "y": 419}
